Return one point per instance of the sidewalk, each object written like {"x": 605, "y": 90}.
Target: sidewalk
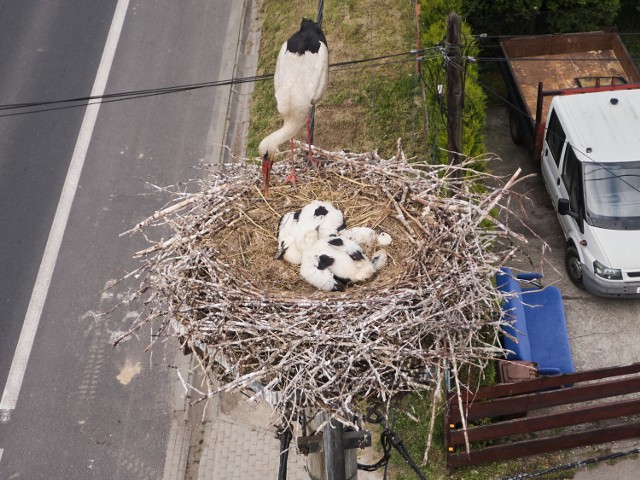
{"x": 228, "y": 438}
{"x": 239, "y": 443}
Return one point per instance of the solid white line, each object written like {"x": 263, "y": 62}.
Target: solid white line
{"x": 43, "y": 280}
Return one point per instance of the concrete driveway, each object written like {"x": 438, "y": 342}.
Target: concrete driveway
{"x": 602, "y": 332}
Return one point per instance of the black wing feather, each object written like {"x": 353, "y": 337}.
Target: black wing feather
{"x": 325, "y": 261}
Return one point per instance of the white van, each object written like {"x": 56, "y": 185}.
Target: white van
{"x": 591, "y": 167}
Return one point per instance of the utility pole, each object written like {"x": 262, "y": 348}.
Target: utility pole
{"x": 332, "y": 451}
{"x": 454, "y": 88}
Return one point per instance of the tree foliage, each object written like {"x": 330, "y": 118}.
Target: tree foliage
{"x": 562, "y": 16}
{"x": 518, "y": 17}
{"x": 501, "y": 17}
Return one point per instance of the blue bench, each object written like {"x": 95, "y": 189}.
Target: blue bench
{"x": 537, "y": 321}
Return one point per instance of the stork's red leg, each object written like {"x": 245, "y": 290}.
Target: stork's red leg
{"x": 292, "y": 176}
{"x": 266, "y": 174}
{"x": 313, "y": 161}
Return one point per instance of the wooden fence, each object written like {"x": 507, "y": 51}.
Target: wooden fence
{"x": 503, "y": 419}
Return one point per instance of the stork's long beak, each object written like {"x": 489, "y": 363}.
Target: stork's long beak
{"x": 266, "y": 173}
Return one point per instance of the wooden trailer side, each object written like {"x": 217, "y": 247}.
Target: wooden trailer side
{"x": 565, "y": 61}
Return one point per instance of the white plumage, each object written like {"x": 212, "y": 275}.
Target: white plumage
{"x": 288, "y": 247}
{"x": 300, "y": 81}
{"x": 319, "y": 216}
{"x": 366, "y": 236}
{"x": 330, "y": 256}
{"x": 330, "y": 264}
{"x": 315, "y": 264}
{"x": 322, "y": 216}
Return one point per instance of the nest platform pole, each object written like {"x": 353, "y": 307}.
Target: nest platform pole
{"x": 332, "y": 461}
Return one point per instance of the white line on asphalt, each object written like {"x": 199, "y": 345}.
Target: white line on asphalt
{"x": 43, "y": 280}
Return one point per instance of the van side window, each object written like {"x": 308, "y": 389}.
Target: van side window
{"x": 571, "y": 178}
{"x": 555, "y": 137}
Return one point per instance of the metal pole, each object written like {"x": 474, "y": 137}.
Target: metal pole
{"x": 285, "y": 436}
{"x": 312, "y": 115}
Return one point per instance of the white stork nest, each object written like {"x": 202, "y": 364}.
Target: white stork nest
{"x": 432, "y": 306}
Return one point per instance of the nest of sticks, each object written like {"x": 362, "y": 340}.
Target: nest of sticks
{"x": 215, "y": 284}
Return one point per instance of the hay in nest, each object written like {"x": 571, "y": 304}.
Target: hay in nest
{"x": 432, "y": 306}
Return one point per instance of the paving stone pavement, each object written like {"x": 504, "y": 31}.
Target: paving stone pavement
{"x": 241, "y": 445}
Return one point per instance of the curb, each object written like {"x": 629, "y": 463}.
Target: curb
{"x": 177, "y": 453}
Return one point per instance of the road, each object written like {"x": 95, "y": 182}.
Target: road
{"x": 70, "y": 181}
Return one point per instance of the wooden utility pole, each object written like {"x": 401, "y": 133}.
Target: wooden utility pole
{"x": 454, "y": 88}
{"x": 332, "y": 451}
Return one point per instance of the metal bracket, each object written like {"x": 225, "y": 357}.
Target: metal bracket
{"x": 351, "y": 439}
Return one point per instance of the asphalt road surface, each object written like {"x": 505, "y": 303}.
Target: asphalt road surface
{"x": 73, "y": 179}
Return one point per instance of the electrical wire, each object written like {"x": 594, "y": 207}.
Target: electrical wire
{"x": 486, "y": 36}
{"x": 569, "y": 466}
{"x": 544, "y": 59}
{"x": 24, "y": 108}
{"x": 437, "y": 51}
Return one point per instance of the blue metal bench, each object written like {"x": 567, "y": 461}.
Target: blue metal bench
{"x": 537, "y": 322}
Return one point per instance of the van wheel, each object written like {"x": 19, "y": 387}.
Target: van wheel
{"x": 514, "y": 127}
{"x": 573, "y": 265}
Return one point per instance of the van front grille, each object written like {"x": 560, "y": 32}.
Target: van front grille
{"x": 633, "y": 274}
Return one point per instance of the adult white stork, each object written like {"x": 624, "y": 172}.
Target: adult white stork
{"x": 300, "y": 81}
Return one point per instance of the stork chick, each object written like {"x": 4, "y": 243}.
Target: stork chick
{"x": 300, "y": 81}
{"x": 366, "y": 236}
{"x": 333, "y": 263}
{"x": 288, "y": 230}
{"x": 317, "y": 215}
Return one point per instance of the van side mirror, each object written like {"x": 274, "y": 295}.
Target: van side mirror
{"x": 564, "y": 207}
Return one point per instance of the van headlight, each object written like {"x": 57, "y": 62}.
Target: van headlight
{"x": 606, "y": 272}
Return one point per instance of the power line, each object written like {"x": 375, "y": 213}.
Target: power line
{"x": 373, "y": 62}
{"x": 546, "y": 59}
{"x": 26, "y": 108}
{"x": 486, "y": 36}
{"x": 120, "y": 96}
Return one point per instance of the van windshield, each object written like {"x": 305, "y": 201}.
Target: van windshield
{"x": 612, "y": 193}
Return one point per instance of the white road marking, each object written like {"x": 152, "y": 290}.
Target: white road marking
{"x": 43, "y": 280}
